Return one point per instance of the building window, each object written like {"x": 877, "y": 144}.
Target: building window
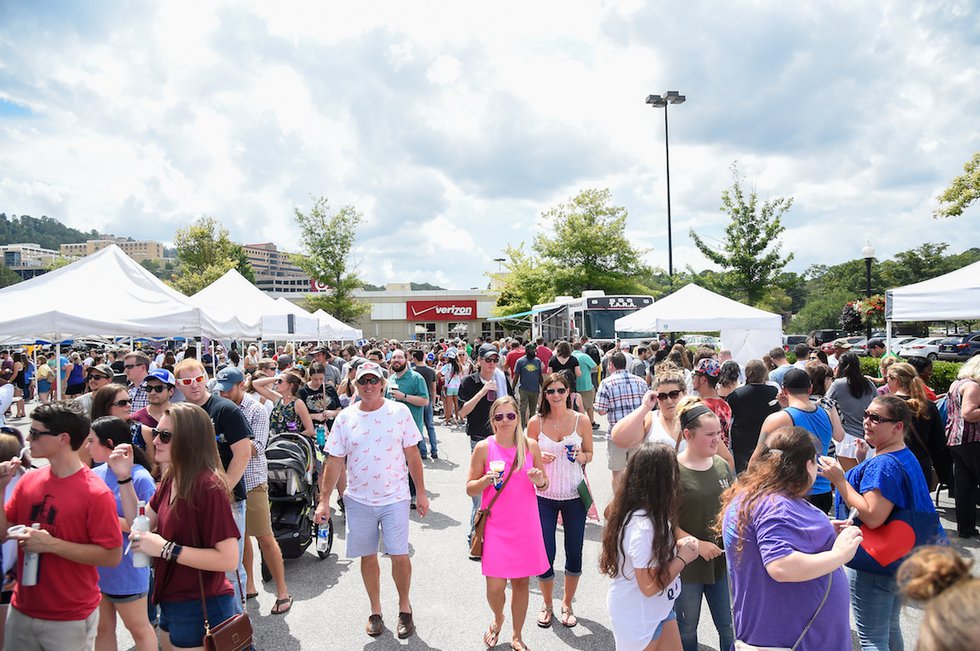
{"x": 486, "y": 331}
{"x": 425, "y": 332}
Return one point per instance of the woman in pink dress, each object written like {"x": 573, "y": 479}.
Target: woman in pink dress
{"x": 513, "y": 546}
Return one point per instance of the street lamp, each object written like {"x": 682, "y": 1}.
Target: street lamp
{"x": 868, "y": 252}
{"x": 500, "y": 262}
{"x": 658, "y": 101}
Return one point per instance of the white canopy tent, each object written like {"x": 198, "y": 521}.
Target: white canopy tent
{"x": 233, "y": 293}
{"x": 108, "y": 294}
{"x": 333, "y": 328}
{"x": 748, "y": 332}
{"x": 955, "y": 295}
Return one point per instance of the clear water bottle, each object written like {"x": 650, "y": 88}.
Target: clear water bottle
{"x": 321, "y": 436}
{"x": 323, "y": 537}
{"x": 32, "y": 561}
{"x": 141, "y": 525}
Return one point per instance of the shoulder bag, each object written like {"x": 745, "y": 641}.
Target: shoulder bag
{"x": 233, "y": 634}
{"x": 745, "y": 646}
{"x": 480, "y": 521}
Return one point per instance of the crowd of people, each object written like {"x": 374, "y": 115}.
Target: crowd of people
{"x": 778, "y": 492}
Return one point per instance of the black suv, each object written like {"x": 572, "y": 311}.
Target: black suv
{"x": 960, "y": 348}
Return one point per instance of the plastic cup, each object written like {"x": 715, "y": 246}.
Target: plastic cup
{"x": 497, "y": 466}
{"x": 570, "y": 452}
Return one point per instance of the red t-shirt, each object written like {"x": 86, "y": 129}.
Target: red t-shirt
{"x": 544, "y": 354}
{"x": 79, "y": 508}
{"x": 512, "y": 358}
{"x": 144, "y": 417}
{"x": 204, "y": 524}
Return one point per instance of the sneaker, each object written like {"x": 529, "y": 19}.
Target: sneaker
{"x": 375, "y": 626}
{"x": 406, "y": 627}
{"x": 435, "y": 456}
{"x": 412, "y": 505}
{"x": 340, "y": 504}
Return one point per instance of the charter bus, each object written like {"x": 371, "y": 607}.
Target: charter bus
{"x": 592, "y": 315}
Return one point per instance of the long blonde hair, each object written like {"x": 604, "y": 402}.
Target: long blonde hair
{"x": 520, "y": 439}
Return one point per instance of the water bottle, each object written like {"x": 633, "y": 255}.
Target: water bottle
{"x": 323, "y": 538}
{"x": 321, "y": 436}
{"x": 141, "y": 525}
{"x": 31, "y": 562}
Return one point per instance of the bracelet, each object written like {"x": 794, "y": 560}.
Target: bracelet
{"x": 681, "y": 560}
{"x": 120, "y": 482}
{"x": 175, "y": 552}
{"x": 165, "y": 552}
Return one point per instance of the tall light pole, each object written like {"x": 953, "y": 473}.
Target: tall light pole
{"x": 868, "y": 252}
{"x": 658, "y": 101}
{"x": 500, "y": 262}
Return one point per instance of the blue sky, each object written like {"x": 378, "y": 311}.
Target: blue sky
{"x": 452, "y": 128}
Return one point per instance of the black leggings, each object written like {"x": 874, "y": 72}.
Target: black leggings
{"x": 966, "y": 471}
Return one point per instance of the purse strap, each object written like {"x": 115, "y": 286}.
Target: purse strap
{"x": 200, "y": 583}
{"x": 830, "y": 581}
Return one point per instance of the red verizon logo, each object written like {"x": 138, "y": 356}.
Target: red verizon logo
{"x": 441, "y": 310}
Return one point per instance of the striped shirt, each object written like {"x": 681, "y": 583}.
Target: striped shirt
{"x": 257, "y": 471}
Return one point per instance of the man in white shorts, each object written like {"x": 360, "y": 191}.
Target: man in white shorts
{"x": 378, "y": 439}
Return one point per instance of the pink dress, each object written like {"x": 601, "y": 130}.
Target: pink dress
{"x": 513, "y": 546}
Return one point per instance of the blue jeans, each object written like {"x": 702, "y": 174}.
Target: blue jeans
{"x": 877, "y": 606}
{"x": 431, "y": 429}
{"x": 573, "y": 522}
{"x": 238, "y": 512}
{"x": 688, "y": 609}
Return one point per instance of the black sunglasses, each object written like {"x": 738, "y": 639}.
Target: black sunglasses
{"x": 156, "y": 388}
{"x": 122, "y": 403}
{"x": 560, "y": 391}
{"x": 35, "y": 434}
{"x": 162, "y": 434}
{"x": 672, "y": 395}
{"x": 374, "y": 379}
{"x": 876, "y": 419}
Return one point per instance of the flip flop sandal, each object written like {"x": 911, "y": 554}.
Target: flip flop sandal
{"x": 518, "y": 645}
{"x": 545, "y": 617}
{"x": 277, "y": 609}
{"x": 568, "y": 619}
{"x": 251, "y": 595}
{"x": 490, "y": 637}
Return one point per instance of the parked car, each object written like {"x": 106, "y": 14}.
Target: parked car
{"x": 859, "y": 345}
{"x": 791, "y": 340}
{"x": 924, "y": 347}
{"x": 898, "y": 342}
{"x": 959, "y": 348}
{"x": 702, "y": 340}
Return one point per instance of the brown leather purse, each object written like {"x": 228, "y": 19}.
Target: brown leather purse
{"x": 233, "y": 634}
{"x": 480, "y": 521}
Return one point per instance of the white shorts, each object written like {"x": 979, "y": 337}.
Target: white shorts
{"x": 365, "y": 522}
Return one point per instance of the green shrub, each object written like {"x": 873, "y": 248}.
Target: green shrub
{"x": 943, "y": 373}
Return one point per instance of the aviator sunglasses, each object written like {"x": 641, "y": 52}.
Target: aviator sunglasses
{"x": 163, "y": 435}
{"x": 509, "y": 416}
{"x": 560, "y": 391}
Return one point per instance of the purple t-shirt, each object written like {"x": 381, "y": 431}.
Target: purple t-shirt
{"x": 769, "y": 613}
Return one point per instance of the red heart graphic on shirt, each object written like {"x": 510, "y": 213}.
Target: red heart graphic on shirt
{"x": 889, "y": 542}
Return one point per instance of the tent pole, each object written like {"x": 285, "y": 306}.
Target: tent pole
{"x": 888, "y": 334}
{"x": 57, "y": 377}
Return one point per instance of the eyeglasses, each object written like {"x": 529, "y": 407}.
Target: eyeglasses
{"x": 162, "y": 434}
{"x": 876, "y": 419}
{"x": 369, "y": 380}
{"x": 156, "y": 388}
{"x": 129, "y": 366}
{"x": 560, "y": 391}
{"x": 491, "y": 359}
{"x": 509, "y": 416}
{"x": 673, "y": 395}
{"x": 122, "y": 403}
{"x": 187, "y": 381}
{"x": 35, "y": 434}
{"x": 278, "y": 381}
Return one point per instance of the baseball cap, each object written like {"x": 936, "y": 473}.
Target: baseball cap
{"x": 487, "y": 350}
{"x": 227, "y": 378}
{"x": 876, "y": 343}
{"x": 430, "y": 357}
{"x": 104, "y": 369}
{"x": 709, "y": 366}
{"x": 624, "y": 345}
{"x": 161, "y": 374}
{"x": 369, "y": 368}
{"x": 796, "y": 378}
{"x": 450, "y": 354}
{"x": 320, "y": 349}
{"x": 842, "y": 343}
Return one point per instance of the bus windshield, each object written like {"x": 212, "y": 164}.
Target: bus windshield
{"x": 601, "y": 324}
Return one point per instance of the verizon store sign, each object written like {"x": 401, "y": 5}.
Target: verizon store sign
{"x": 440, "y": 310}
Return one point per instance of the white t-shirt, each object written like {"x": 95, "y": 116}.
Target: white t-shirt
{"x": 635, "y": 617}
{"x": 6, "y": 399}
{"x": 657, "y": 434}
{"x": 374, "y": 443}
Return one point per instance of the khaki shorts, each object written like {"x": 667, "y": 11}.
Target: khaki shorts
{"x": 23, "y": 632}
{"x": 619, "y": 456}
{"x": 258, "y": 517}
{"x": 588, "y": 397}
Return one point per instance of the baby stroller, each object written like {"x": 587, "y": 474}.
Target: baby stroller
{"x": 293, "y": 495}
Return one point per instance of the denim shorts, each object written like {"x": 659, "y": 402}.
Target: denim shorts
{"x": 660, "y": 627}
{"x": 184, "y": 622}
{"x": 123, "y": 598}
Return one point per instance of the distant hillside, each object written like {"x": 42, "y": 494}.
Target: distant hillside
{"x": 46, "y": 232}
{"x": 415, "y": 287}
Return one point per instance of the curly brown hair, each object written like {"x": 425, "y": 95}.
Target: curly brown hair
{"x": 648, "y": 484}
{"x": 780, "y": 469}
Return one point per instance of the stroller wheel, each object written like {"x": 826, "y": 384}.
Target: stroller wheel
{"x": 326, "y": 553}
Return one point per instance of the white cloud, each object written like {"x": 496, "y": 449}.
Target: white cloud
{"x": 452, "y": 128}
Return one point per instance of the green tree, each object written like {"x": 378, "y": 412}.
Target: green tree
{"x": 58, "y": 262}
{"x": 588, "y": 248}
{"x": 822, "y": 310}
{"x": 204, "y": 254}
{"x": 750, "y": 250}
{"x": 327, "y": 243}
{"x": 8, "y": 276}
{"x": 526, "y": 284}
{"x": 962, "y": 191}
